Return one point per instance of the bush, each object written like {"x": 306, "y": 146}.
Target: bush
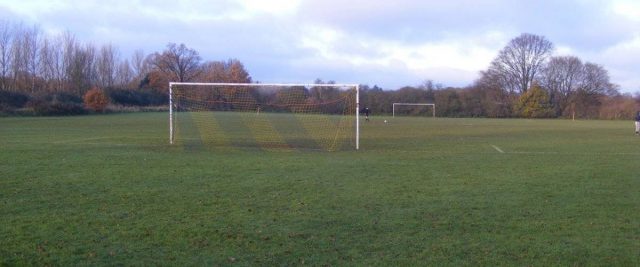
{"x": 142, "y": 97}
{"x": 56, "y": 104}
{"x": 96, "y": 99}
{"x": 10, "y": 101}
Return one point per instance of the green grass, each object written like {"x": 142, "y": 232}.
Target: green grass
{"x": 108, "y": 190}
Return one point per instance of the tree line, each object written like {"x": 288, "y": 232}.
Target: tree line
{"x": 52, "y": 74}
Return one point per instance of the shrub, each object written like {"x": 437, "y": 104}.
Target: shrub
{"x": 10, "y": 101}
{"x": 142, "y": 97}
{"x": 96, "y": 99}
{"x": 63, "y": 97}
{"x": 56, "y": 104}
{"x": 43, "y": 108}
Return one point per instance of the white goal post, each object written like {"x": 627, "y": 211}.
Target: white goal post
{"x": 304, "y": 107}
{"x": 414, "y": 104}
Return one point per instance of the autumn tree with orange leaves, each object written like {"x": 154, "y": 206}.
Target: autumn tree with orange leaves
{"x": 96, "y": 99}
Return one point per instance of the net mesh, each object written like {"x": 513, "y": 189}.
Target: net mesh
{"x": 264, "y": 116}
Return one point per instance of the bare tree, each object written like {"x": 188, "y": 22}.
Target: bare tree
{"x": 80, "y": 71}
{"x": 31, "y": 47}
{"x": 5, "y": 54}
{"x": 178, "y": 62}
{"x": 496, "y": 101}
{"x": 88, "y": 58}
{"x": 519, "y": 62}
{"x": 57, "y": 64}
{"x": 124, "y": 74}
{"x": 596, "y": 80}
{"x": 561, "y": 77}
{"x": 139, "y": 66}
{"x": 563, "y": 74}
{"x": 46, "y": 69}
{"x": 69, "y": 47}
{"x": 106, "y": 62}
{"x": 24, "y": 58}
{"x": 18, "y": 68}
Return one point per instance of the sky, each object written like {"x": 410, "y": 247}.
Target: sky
{"x": 389, "y": 43}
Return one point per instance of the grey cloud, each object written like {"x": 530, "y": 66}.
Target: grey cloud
{"x": 585, "y": 24}
{"x": 408, "y": 21}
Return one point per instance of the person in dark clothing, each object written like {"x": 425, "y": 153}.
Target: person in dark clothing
{"x": 638, "y": 123}
{"x": 366, "y": 113}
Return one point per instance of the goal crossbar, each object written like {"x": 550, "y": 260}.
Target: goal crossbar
{"x": 306, "y": 85}
{"x": 414, "y": 104}
{"x": 171, "y": 84}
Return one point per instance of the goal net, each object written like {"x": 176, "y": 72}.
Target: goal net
{"x": 264, "y": 116}
{"x": 414, "y": 109}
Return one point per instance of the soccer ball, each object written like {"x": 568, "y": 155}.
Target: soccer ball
{"x": 385, "y": 121}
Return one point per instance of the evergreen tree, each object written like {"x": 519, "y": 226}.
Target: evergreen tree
{"x": 534, "y": 103}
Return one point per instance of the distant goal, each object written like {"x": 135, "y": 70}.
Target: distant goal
{"x": 413, "y": 108}
{"x": 264, "y": 116}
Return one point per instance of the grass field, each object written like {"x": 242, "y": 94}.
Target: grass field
{"x": 97, "y": 190}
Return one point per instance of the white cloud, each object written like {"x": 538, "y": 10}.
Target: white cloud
{"x": 273, "y": 7}
{"x": 437, "y": 60}
{"x": 564, "y": 50}
{"x": 628, "y": 9}
{"x": 624, "y": 54}
{"x": 33, "y": 8}
{"x": 623, "y": 62}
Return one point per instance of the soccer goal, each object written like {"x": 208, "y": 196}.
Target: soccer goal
{"x": 398, "y": 105}
{"x": 264, "y": 116}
